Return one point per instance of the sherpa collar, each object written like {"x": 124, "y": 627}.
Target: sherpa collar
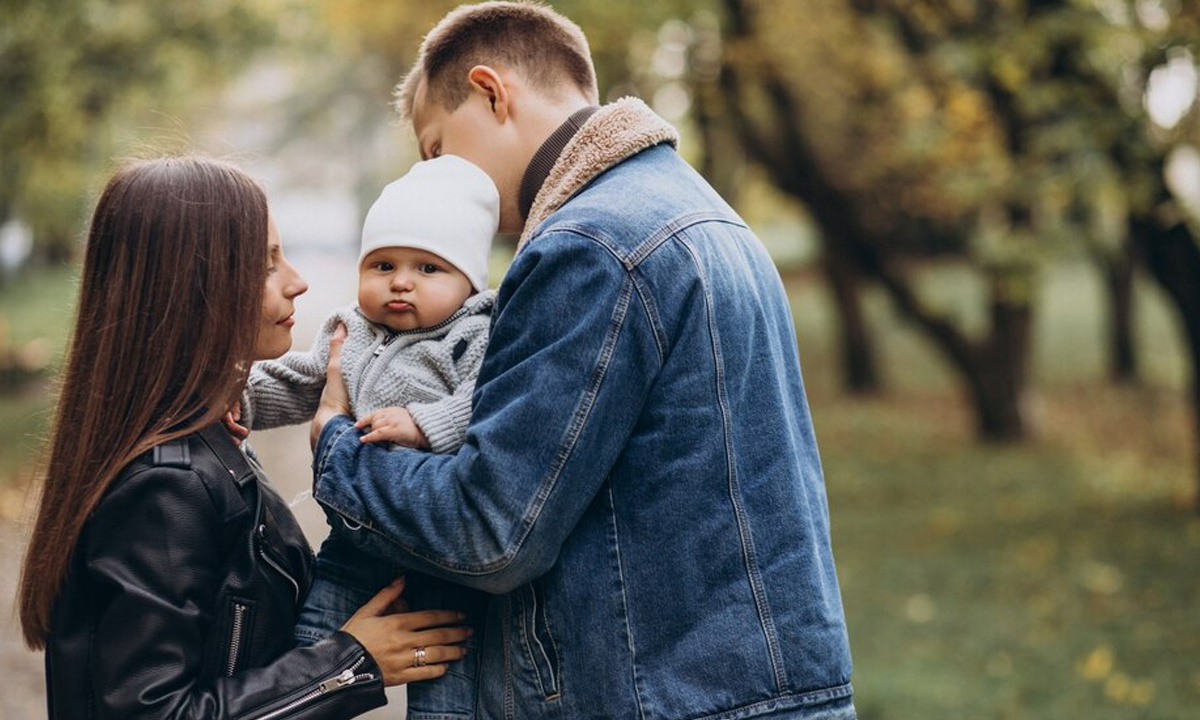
{"x": 614, "y": 133}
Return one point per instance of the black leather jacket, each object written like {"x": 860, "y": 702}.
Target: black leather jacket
{"x": 181, "y": 600}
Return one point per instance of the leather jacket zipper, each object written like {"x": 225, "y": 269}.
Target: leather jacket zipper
{"x": 344, "y": 679}
{"x": 262, "y": 552}
{"x": 235, "y": 637}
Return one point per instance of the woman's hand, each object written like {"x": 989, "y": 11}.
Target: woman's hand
{"x": 393, "y": 424}
{"x": 335, "y": 398}
{"x": 407, "y": 646}
{"x": 232, "y": 421}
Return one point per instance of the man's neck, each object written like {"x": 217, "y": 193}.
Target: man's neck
{"x": 547, "y": 154}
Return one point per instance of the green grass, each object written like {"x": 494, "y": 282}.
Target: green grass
{"x": 35, "y": 311}
{"x": 1052, "y": 579}
{"x": 37, "y": 305}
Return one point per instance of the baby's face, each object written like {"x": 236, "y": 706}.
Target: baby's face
{"x": 406, "y": 288}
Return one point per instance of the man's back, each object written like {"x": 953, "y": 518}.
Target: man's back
{"x": 698, "y": 580}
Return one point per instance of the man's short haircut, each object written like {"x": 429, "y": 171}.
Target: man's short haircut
{"x": 544, "y": 46}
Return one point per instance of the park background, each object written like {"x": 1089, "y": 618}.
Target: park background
{"x": 986, "y": 214}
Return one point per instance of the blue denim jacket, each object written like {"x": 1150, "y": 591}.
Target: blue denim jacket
{"x": 640, "y": 485}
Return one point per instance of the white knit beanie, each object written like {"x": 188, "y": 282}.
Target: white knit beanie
{"x": 447, "y": 206}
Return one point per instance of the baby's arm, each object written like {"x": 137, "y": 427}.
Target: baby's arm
{"x": 444, "y": 422}
{"x": 287, "y": 390}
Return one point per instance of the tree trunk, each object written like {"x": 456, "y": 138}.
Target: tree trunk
{"x": 1003, "y": 378}
{"x": 1122, "y": 352}
{"x": 860, "y": 373}
{"x": 1173, "y": 257}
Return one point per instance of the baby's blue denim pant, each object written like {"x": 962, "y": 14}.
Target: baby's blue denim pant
{"x": 347, "y": 577}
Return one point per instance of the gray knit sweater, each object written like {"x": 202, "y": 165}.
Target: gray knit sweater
{"x": 430, "y": 371}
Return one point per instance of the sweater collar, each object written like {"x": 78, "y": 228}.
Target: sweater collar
{"x": 612, "y": 134}
{"x": 545, "y": 157}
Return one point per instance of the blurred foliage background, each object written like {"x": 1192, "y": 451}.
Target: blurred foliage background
{"x": 986, "y": 213}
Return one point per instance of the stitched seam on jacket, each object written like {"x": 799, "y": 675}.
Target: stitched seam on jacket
{"x": 748, "y": 554}
{"x": 579, "y": 418}
{"x": 637, "y": 692}
{"x": 783, "y": 702}
{"x": 665, "y": 233}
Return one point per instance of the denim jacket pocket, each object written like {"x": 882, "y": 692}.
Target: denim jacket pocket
{"x": 538, "y": 640}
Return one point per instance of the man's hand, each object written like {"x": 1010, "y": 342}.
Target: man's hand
{"x": 393, "y": 424}
{"x": 335, "y": 398}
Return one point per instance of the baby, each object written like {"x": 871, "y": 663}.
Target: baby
{"x": 413, "y": 348}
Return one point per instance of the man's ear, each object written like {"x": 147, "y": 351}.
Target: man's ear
{"x": 487, "y": 81}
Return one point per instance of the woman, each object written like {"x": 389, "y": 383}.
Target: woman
{"x": 164, "y": 573}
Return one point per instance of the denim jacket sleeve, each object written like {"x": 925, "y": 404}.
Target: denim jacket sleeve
{"x": 571, "y": 359}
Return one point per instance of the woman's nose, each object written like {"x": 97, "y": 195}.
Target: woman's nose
{"x": 296, "y": 284}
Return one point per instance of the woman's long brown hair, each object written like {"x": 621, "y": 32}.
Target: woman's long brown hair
{"x": 169, "y": 310}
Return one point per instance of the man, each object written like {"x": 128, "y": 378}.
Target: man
{"x": 640, "y": 487}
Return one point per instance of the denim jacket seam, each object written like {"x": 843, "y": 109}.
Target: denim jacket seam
{"x": 637, "y": 691}
{"x": 786, "y": 700}
{"x": 556, "y": 667}
{"x": 524, "y": 621}
{"x": 745, "y": 536}
{"x": 579, "y": 418}
{"x": 647, "y": 247}
{"x": 646, "y": 297}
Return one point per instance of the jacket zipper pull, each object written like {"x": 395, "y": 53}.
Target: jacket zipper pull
{"x": 346, "y": 678}
{"x": 379, "y": 348}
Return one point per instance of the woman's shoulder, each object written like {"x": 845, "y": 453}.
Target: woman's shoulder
{"x": 195, "y": 472}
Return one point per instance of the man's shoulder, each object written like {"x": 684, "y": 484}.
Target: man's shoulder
{"x": 641, "y": 194}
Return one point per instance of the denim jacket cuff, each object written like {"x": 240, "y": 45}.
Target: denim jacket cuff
{"x": 333, "y": 429}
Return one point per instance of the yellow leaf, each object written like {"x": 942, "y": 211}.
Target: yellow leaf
{"x": 1097, "y": 665}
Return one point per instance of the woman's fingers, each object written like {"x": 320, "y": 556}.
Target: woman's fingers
{"x": 405, "y": 668}
{"x": 441, "y": 636}
{"x": 335, "y": 347}
{"x": 382, "y": 602}
{"x": 365, "y": 421}
{"x": 426, "y": 619}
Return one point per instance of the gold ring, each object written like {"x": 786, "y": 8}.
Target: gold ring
{"x": 419, "y": 657}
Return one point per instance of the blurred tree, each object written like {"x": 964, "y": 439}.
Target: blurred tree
{"x": 75, "y": 74}
{"x": 989, "y": 132}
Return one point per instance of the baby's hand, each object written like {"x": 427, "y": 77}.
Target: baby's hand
{"x": 392, "y": 424}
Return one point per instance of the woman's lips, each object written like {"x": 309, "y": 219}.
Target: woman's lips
{"x": 288, "y": 321}
{"x": 399, "y": 306}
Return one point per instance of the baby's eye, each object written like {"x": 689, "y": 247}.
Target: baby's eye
{"x": 384, "y": 266}
{"x": 429, "y": 268}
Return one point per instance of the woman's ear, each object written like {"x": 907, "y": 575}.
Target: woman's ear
{"x": 487, "y": 81}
